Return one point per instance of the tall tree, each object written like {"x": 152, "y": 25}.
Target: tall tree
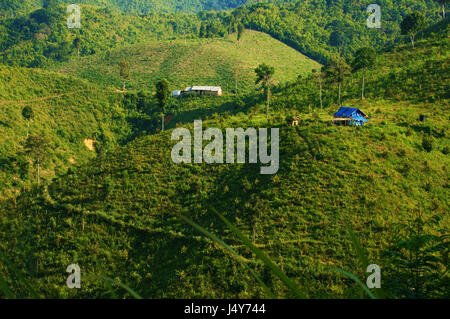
{"x": 236, "y": 78}
{"x": 124, "y": 71}
{"x": 28, "y": 114}
{"x": 412, "y": 24}
{"x": 240, "y": 32}
{"x": 37, "y": 146}
{"x": 163, "y": 96}
{"x": 442, "y": 3}
{"x": 336, "y": 71}
{"x": 264, "y": 75}
{"x": 364, "y": 61}
{"x": 77, "y": 45}
{"x": 232, "y": 25}
{"x": 317, "y": 76}
{"x": 202, "y": 31}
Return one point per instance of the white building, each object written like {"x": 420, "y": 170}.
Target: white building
{"x": 204, "y": 90}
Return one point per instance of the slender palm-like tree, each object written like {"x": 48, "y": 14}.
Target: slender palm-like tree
{"x": 336, "y": 71}
{"x": 364, "y": 61}
{"x": 124, "y": 71}
{"x": 240, "y": 32}
{"x": 442, "y": 3}
{"x": 37, "y": 146}
{"x": 163, "y": 96}
{"x": 318, "y": 75}
{"x": 28, "y": 114}
{"x": 264, "y": 75}
{"x": 412, "y": 24}
{"x": 77, "y": 44}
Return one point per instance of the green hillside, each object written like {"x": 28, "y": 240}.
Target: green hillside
{"x": 118, "y": 210}
{"x": 70, "y": 113}
{"x": 219, "y": 62}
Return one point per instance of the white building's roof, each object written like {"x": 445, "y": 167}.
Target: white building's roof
{"x": 204, "y": 88}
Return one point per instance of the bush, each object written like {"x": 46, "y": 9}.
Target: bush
{"x": 427, "y": 144}
{"x": 446, "y": 150}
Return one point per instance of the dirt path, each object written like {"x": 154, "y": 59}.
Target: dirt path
{"x": 90, "y": 144}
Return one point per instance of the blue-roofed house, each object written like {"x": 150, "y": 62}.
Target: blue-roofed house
{"x": 350, "y": 116}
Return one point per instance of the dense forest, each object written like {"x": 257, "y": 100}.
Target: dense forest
{"x": 42, "y": 37}
{"x": 321, "y": 29}
{"x": 8, "y": 7}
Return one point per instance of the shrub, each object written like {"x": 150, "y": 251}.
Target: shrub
{"x": 446, "y": 150}
{"x": 427, "y": 144}
{"x": 401, "y": 153}
{"x": 417, "y": 263}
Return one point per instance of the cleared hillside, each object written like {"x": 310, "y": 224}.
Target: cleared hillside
{"x": 221, "y": 62}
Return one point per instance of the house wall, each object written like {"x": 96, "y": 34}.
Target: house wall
{"x": 208, "y": 93}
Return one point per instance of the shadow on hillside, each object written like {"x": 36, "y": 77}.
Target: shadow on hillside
{"x": 243, "y": 192}
{"x": 166, "y": 257}
{"x": 140, "y": 126}
{"x": 5, "y": 124}
{"x": 243, "y": 104}
{"x": 424, "y": 128}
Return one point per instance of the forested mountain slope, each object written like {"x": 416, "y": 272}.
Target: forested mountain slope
{"x": 321, "y": 29}
{"x": 318, "y": 29}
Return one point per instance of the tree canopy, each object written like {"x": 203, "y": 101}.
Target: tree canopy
{"x": 364, "y": 59}
{"x": 412, "y": 24}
